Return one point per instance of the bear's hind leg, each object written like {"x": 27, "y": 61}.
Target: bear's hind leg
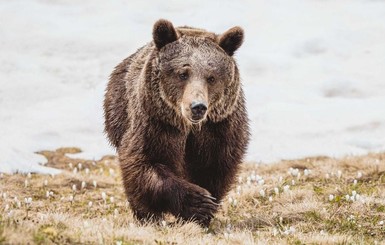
{"x": 145, "y": 218}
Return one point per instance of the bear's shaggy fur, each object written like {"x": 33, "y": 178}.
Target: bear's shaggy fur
{"x": 175, "y": 111}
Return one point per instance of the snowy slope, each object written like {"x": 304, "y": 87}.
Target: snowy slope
{"x": 313, "y": 72}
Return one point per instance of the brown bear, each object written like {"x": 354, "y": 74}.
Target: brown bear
{"x": 175, "y": 111}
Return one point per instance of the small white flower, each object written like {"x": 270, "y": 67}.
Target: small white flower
{"x": 116, "y": 212}
{"x": 28, "y": 200}
{"x": 359, "y": 175}
{"x": 112, "y": 172}
{"x": 270, "y": 198}
{"x": 339, "y": 174}
{"x": 47, "y": 194}
{"x": 71, "y": 198}
{"x": 286, "y": 188}
{"x": 6, "y": 207}
{"x": 90, "y": 204}
{"x": 327, "y": 176}
{"x": 4, "y": 195}
{"x": 75, "y": 170}
{"x": 239, "y": 188}
{"x": 119, "y": 242}
{"x": 253, "y": 177}
{"x": 298, "y": 175}
{"x": 280, "y": 179}
{"x": 74, "y": 188}
{"x": 87, "y": 171}
{"x": 83, "y": 185}
{"x": 104, "y": 196}
{"x": 261, "y": 182}
{"x": 351, "y": 218}
{"x": 70, "y": 165}
{"x": 164, "y": 223}
{"x": 45, "y": 183}
{"x": 112, "y": 199}
{"x": 347, "y": 197}
{"x": 275, "y": 232}
{"x": 306, "y": 172}
{"x": 292, "y": 182}
{"x": 18, "y": 204}
{"x": 331, "y": 197}
{"x": 289, "y": 231}
{"x": 230, "y": 200}
{"x": 357, "y": 197}
{"x": 354, "y": 193}
{"x": 248, "y": 182}
{"x": 276, "y": 190}
{"x": 80, "y": 166}
{"x": 355, "y": 182}
{"x": 94, "y": 183}
{"x": 381, "y": 222}
{"x": 294, "y": 172}
{"x": 235, "y": 202}
{"x": 26, "y": 183}
{"x": 292, "y": 229}
{"x": 262, "y": 193}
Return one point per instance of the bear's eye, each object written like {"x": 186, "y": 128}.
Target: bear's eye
{"x": 183, "y": 76}
{"x": 211, "y": 79}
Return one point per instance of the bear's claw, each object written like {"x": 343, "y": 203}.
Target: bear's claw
{"x": 212, "y": 198}
{"x": 199, "y": 206}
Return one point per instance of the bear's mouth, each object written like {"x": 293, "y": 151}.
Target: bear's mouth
{"x": 195, "y": 121}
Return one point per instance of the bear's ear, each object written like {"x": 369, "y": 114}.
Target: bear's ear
{"x": 163, "y": 33}
{"x": 231, "y": 40}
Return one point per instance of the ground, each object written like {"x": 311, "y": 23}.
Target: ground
{"x": 312, "y": 200}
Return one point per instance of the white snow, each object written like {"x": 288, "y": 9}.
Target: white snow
{"x": 313, "y": 72}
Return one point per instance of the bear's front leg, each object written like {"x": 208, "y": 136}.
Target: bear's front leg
{"x": 153, "y": 189}
{"x": 197, "y": 204}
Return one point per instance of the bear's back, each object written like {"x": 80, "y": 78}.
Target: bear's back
{"x": 195, "y": 32}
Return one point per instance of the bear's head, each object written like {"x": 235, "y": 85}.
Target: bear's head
{"x": 198, "y": 76}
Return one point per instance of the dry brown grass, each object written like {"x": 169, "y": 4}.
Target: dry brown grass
{"x": 304, "y": 213}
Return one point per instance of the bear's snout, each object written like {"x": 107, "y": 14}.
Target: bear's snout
{"x": 198, "y": 110}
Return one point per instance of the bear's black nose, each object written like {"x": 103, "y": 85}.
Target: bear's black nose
{"x": 198, "y": 110}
